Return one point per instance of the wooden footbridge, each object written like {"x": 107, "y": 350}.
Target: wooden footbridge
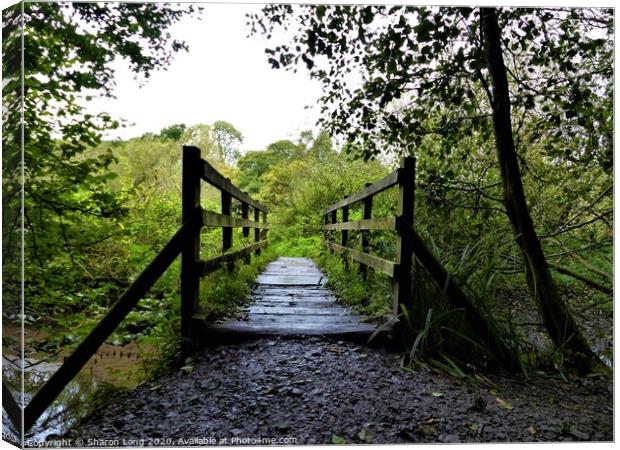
{"x": 290, "y": 297}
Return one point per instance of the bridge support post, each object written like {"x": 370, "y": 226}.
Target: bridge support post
{"x": 344, "y": 241}
{"x": 402, "y": 280}
{"x": 245, "y": 208}
{"x": 367, "y": 212}
{"x": 264, "y": 229}
{"x": 190, "y": 276}
{"x": 227, "y": 236}
{"x": 257, "y": 230}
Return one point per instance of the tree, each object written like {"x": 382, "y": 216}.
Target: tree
{"x": 228, "y": 138}
{"x": 173, "y": 132}
{"x": 253, "y": 165}
{"x": 431, "y": 74}
{"x": 68, "y": 51}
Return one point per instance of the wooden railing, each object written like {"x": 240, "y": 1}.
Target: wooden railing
{"x": 400, "y": 269}
{"x": 409, "y": 245}
{"x": 196, "y": 169}
{"x": 186, "y": 242}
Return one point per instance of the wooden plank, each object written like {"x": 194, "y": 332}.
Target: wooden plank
{"x": 190, "y": 279}
{"x": 345, "y": 218}
{"x": 365, "y": 235}
{"x": 318, "y": 319}
{"x": 447, "y": 283}
{"x": 379, "y": 223}
{"x": 11, "y": 407}
{"x": 213, "y": 264}
{"x": 244, "y": 216}
{"x": 245, "y": 209}
{"x": 344, "y": 331}
{"x": 264, "y": 230}
{"x": 227, "y": 237}
{"x": 379, "y": 264}
{"x": 321, "y": 310}
{"x": 384, "y": 183}
{"x": 213, "y": 177}
{"x": 72, "y": 365}
{"x": 213, "y": 219}
{"x": 402, "y": 282}
{"x": 257, "y": 230}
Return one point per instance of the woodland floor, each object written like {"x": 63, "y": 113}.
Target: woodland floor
{"x": 319, "y": 391}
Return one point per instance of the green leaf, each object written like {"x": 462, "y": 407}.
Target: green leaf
{"x": 337, "y": 440}
{"x": 503, "y": 404}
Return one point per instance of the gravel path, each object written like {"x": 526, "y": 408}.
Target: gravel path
{"x": 317, "y": 391}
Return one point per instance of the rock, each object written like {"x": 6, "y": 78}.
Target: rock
{"x": 580, "y": 435}
{"x": 283, "y": 426}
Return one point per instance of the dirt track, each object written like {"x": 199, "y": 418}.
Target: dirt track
{"x": 317, "y": 391}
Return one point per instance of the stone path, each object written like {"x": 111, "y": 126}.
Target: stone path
{"x": 291, "y": 299}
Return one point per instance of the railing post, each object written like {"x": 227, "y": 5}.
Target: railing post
{"x": 367, "y": 214}
{"x": 257, "y": 230}
{"x": 246, "y": 231}
{"x": 334, "y": 219}
{"x": 402, "y": 280}
{"x": 227, "y": 236}
{"x": 326, "y": 232}
{"x": 190, "y": 277}
{"x": 264, "y": 229}
{"x": 344, "y": 241}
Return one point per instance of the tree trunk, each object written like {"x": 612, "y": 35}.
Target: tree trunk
{"x": 555, "y": 314}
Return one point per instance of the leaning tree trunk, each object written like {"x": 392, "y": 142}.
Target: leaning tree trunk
{"x": 555, "y": 314}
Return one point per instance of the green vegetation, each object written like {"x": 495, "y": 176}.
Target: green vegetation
{"x": 96, "y": 212}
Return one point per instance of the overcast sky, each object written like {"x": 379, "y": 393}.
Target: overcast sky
{"x": 224, "y": 76}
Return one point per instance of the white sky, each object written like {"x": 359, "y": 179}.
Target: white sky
{"x": 224, "y": 76}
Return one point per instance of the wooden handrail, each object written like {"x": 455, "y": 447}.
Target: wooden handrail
{"x": 400, "y": 269}
{"x": 195, "y": 170}
{"x": 211, "y": 219}
{"x": 378, "y": 223}
{"x": 211, "y": 265}
{"x": 119, "y": 310}
{"x": 384, "y": 183}
{"x": 385, "y": 266}
{"x": 186, "y": 241}
{"x": 216, "y": 179}
{"x": 11, "y": 407}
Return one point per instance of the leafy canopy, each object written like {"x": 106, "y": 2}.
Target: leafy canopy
{"x": 393, "y": 75}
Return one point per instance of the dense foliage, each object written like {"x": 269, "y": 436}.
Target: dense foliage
{"x": 97, "y": 212}
{"x": 402, "y": 79}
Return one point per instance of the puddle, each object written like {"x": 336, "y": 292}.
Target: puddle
{"x": 112, "y": 367}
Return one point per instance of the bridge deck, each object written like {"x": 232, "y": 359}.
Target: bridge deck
{"x": 290, "y": 299}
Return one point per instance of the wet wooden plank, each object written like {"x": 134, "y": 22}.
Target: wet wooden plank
{"x": 213, "y": 177}
{"x": 290, "y": 299}
{"x": 379, "y": 223}
{"x": 389, "y": 268}
{"x": 307, "y": 329}
{"x": 298, "y": 311}
{"x": 379, "y": 186}
{"x": 290, "y": 279}
{"x": 212, "y": 219}
{"x": 213, "y": 264}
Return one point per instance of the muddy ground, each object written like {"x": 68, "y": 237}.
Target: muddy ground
{"x": 320, "y": 391}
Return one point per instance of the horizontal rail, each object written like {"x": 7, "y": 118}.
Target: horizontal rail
{"x": 211, "y": 219}
{"x": 211, "y": 265}
{"x": 213, "y": 177}
{"x": 119, "y": 310}
{"x": 379, "y": 186}
{"x": 379, "y": 264}
{"x": 380, "y": 223}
